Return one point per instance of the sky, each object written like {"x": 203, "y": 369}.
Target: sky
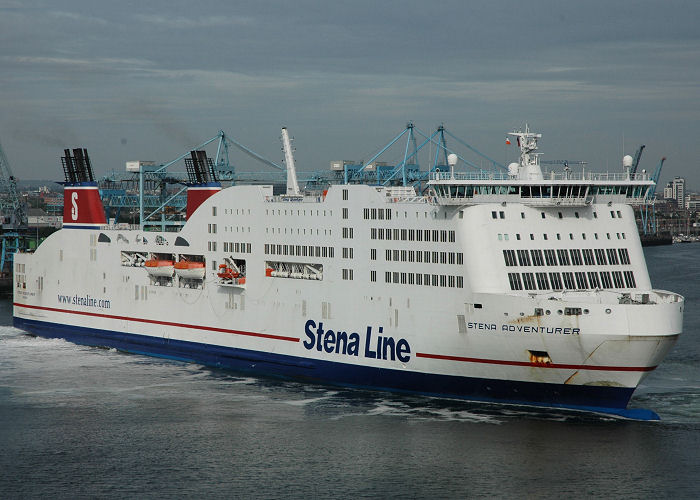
{"x": 151, "y": 80}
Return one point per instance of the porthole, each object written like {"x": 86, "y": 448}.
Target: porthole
{"x": 586, "y": 311}
{"x": 548, "y": 312}
{"x": 608, "y": 311}
{"x": 559, "y": 311}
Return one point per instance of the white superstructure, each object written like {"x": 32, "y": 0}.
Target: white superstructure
{"x": 526, "y": 287}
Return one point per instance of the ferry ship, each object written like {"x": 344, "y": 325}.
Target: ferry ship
{"x": 522, "y": 287}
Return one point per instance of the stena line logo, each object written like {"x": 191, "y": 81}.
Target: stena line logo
{"x": 74, "y": 202}
{"x": 352, "y": 344}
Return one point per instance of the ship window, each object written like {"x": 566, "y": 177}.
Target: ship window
{"x": 576, "y": 215}
{"x": 558, "y": 236}
{"x": 494, "y": 215}
{"x": 517, "y": 236}
{"x": 561, "y": 216}
{"x": 619, "y": 214}
{"x": 502, "y": 215}
{"x": 605, "y": 279}
{"x": 460, "y": 281}
{"x": 550, "y": 257}
{"x": 411, "y": 234}
{"x": 213, "y": 211}
{"x": 576, "y": 256}
{"x": 542, "y": 282}
{"x": 612, "y": 256}
{"x": 569, "y": 281}
{"x": 373, "y": 275}
{"x": 572, "y": 311}
{"x": 529, "y": 281}
{"x": 387, "y": 277}
{"x": 624, "y": 256}
{"x": 523, "y": 258}
{"x": 593, "y": 279}
{"x": 595, "y": 235}
{"x": 452, "y": 236}
{"x": 435, "y": 280}
{"x": 345, "y": 213}
{"x": 537, "y": 259}
{"x": 629, "y": 279}
{"x": 588, "y": 257}
{"x": 509, "y": 257}
{"x": 460, "y": 258}
{"x": 612, "y": 214}
{"x": 373, "y": 254}
{"x": 522, "y": 215}
{"x": 617, "y": 278}
{"x": 419, "y": 279}
{"x": 581, "y": 280}
{"x": 544, "y": 236}
{"x": 443, "y": 280}
{"x": 555, "y": 279}
{"x": 595, "y": 215}
{"x": 345, "y": 194}
{"x": 515, "y": 283}
{"x": 461, "y": 214}
{"x": 532, "y": 237}
{"x": 412, "y": 256}
{"x": 542, "y": 213}
{"x": 600, "y": 257}
{"x": 563, "y": 257}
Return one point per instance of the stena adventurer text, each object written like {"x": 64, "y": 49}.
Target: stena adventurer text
{"x": 517, "y": 288}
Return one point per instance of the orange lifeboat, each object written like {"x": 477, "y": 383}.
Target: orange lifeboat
{"x": 226, "y": 273}
{"x": 159, "y": 267}
{"x": 190, "y": 270}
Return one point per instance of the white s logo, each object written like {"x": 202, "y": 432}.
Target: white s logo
{"x": 74, "y": 202}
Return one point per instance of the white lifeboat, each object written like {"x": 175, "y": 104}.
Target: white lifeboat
{"x": 159, "y": 267}
{"x": 190, "y": 270}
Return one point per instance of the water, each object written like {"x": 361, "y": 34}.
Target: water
{"x": 79, "y": 422}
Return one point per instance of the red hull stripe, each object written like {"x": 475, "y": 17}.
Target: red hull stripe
{"x": 166, "y": 323}
{"x": 297, "y": 339}
{"x": 536, "y": 365}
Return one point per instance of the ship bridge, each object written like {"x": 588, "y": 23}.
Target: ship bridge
{"x": 557, "y": 189}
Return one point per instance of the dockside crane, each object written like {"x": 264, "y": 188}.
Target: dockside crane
{"x": 12, "y": 209}
{"x": 650, "y": 219}
{"x": 637, "y": 157}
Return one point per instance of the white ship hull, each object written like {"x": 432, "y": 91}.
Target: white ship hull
{"x": 463, "y": 334}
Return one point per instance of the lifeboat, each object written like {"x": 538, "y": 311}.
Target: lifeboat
{"x": 190, "y": 270}
{"x": 226, "y": 273}
{"x": 158, "y": 267}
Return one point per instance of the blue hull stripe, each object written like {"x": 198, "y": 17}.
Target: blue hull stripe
{"x": 609, "y": 400}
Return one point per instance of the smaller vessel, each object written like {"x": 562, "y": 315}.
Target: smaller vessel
{"x": 158, "y": 267}
{"x": 190, "y": 270}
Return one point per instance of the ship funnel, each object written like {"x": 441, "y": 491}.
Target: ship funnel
{"x": 202, "y": 180}
{"x": 82, "y": 206}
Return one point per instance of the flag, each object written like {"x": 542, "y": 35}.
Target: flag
{"x": 507, "y": 140}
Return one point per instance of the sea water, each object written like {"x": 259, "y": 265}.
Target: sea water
{"x": 82, "y": 422}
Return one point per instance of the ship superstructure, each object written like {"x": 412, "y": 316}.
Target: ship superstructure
{"x": 519, "y": 287}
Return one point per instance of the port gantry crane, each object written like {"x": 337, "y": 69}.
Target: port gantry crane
{"x": 11, "y": 206}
